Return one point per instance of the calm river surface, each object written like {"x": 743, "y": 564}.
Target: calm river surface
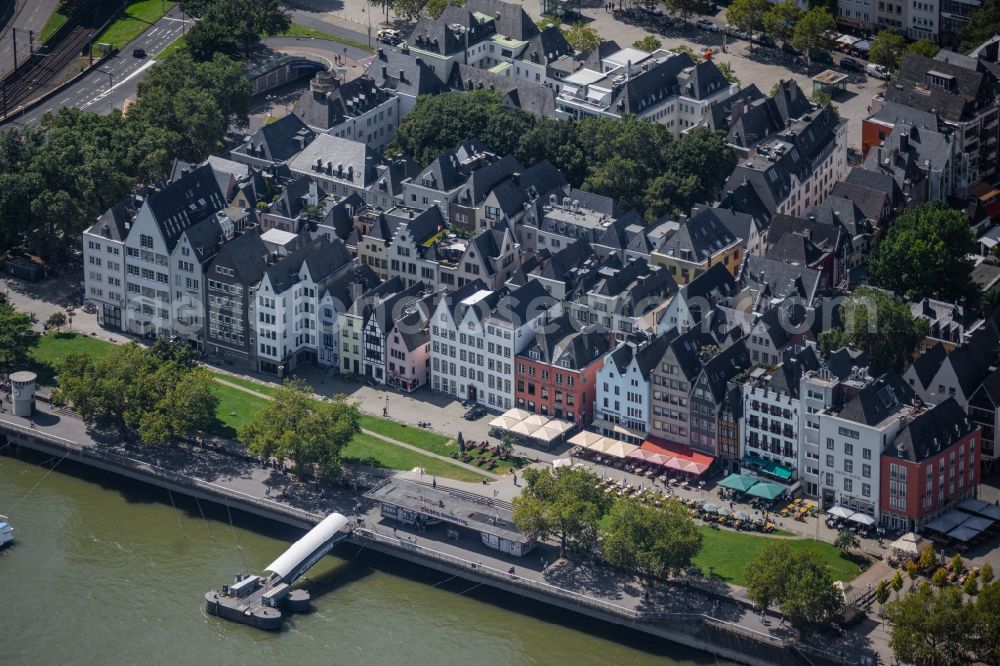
{"x": 106, "y": 571}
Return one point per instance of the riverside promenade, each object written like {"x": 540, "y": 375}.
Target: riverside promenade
{"x": 691, "y": 612}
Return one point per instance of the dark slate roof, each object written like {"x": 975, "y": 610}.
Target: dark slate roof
{"x": 892, "y": 113}
{"x": 841, "y": 361}
{"x": 909, "y": 86}
{"x": 971, "y": 361}
{"x": 717, "y": 282}
{"x": 362, "y": 305}
{"x": 928, "y": 363}
{"x": 674, "y": 75}
{"x": 184, "y": 202}
{"x": 489, "y": 244}
{"x": 757, "y": 118}
{"x": 650, "y": 354}
{"x": 870, "y": 201}
{"x": 836, "y": 210}
{"x": 356, "y": 158}
{"x": 340, "y": 216}
{"x": 278, "y": 141}
{"x": 357, "y": 279}
{"x": 907, "y": 150}
{"x": 291, "y": 201}
{"x": 704, "y": 234}
{"x": 516, "y": 93}
{"x": 115, "y": 221}
{"x": 323, "y": 110}
{"x": 560, "y": 265}
{"x": 204, "y": 238}
{"x": 247, "y": 255}
{"x": 321, "y": 256}
{"x": 595, "y": 202}
{"x": 453, "y": 300}
{"x": 877, "y": 181}
{"x": 548, "y": 45}
{"x": 826, "y": 237}
{"x": 560, "y": 342}
{"x": 725, "y": 365}
{"x": 878, "y": 400}
{"x": 786, "y": 378}
{"x": 404, "y": 73}
{"x": 687, "y": 348}
{"x": 604, "y": 49}
{"x": 395, "y": 306}
{"x": 991, "y": 387}
{"x": 483, "y": 180}
{"x": 720, "y": 112}
{"x": 524, "y": 303}
{"x": 795, "y": 248}
{"x": 931, "y": 432}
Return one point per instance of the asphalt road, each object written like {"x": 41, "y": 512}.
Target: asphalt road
{"x": 92, "y": 92}
{"x": 117, "y": 79}
{"x": 29, "y": 15}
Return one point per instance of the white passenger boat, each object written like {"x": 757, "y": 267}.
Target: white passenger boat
{"x": 6, "y": 532}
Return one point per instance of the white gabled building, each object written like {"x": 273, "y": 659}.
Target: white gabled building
{"x": 622, "y": 409}
{"x": 104, "y": 262}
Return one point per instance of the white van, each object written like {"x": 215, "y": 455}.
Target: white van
{"x": 877, "y": 71}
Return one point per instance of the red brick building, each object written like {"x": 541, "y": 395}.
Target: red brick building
{"x": 556, "y": 375}
{"x": 931, "y": 465}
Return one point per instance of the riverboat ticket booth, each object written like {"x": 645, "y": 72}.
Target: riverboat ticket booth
{"x": 425, "y": 505}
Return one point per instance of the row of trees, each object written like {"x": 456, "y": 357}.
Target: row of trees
{"x": 786, "y": 22}
{"x": 799, "y": 582}
{"x": 153, "y": 394}
{"x": 936, "y": 625}
{"x": 889, "y": 48}
{"x": 59, "y": 176}
{"x": 568, "y": 504}
{"x": 634, "y": 161}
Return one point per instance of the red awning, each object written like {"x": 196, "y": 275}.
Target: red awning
{"x": 682, "y": 452}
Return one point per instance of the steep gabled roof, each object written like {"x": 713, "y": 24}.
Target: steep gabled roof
{"x": 722, "y": 367}
{"x": 927, "y": 364}
{"x": 561, "y": 343}
{"x": 278, "y": 141}
{"x": 878, "y": 400}
{"x": 931, "y": 432}
{"x": 523, "y": 304}
{"x": 184, "y": 202}
{"x": 778, "y": 279}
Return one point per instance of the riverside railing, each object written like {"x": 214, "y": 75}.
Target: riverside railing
{"x": 135, "y": 464}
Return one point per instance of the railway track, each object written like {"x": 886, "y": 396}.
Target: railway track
{"x": 39, "y": 74}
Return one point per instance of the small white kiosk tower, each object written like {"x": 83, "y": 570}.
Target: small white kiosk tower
{"x": 22, "y": 393}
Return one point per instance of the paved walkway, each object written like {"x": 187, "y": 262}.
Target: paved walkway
{"x": 390, "y": 440}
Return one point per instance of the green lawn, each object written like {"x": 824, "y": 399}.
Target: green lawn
{"x": 266, "y": 389}
{"x": 424, "y": 439}
{"x": 374, "y": 451}
{"x": 55, "y": 22}
{"x": 299, "y": 30}
{"x": 235, "y": 409}
{"x": 134, "y": 20}
{"x": 728, "y": 553}
{"x": 54, "y": 347}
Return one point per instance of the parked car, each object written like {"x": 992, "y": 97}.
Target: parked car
{"x": 851, "y": 64}
{"x": 736, "y": 32}
{"x": 475, "y": 413}
{"x": 821, "y": 56}
{"x": 139, "y": 53}
{"x": 705, "y": 24}
{"x": 877, "y": 71}
{"x": 389, "y": 36}
{"x": 788, "y": 49}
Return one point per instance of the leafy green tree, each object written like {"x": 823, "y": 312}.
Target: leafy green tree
{"x": 435, "y": 8}
{"x": 154, "y": 394}
{"x": 781, "y": 18}
{"x": 17, "y": 337}
{"x": 983, "y": 24}
{"x": 927, "y": 557}
{"x": 565, "y": 504}
{"x": 882, "y": 592}
{"x": 846, "y": 540}
{"x": 765, "y": 575}
{"x": 649, "y": 541}
{"x": 814, "y": 31}
{"x": 928, "y": 626}
{"x": 926, "y": 253}
{"x": 881, "y": 326}
{"x": 687, "y": 8}
{"x": 195, "y": 103}
{"x": 981, "y": 637}
{"x": 70, "y": 7}
{"x": 410, "y": 10}
{"x": 971, "y": 585}
{"x": 308, "y": 432}
{"x": 912, "y": 572}
{"x": 887, "y": 49}
{"x": 248, "y": 20}
{"x": 56, "y": 320}
{"x": 207, "y": 37}
{"x": 897, "y": 582}
{"x": 810, "y": 599}
{"x": 582, "y": 37}
{"x": 986, "y": 573}
{"x": 648, "y": 43}
{"x": 798, "y": 581}
{"x": 923, "y": 47}
{"x": 559, "y": 142}
{"x": 748, "y": 15}
{"x": 957, "y": 565}
{"x": 940, "y": 577}
{"x": 442, "y": 122}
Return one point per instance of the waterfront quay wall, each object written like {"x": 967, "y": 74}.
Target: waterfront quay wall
{"x": 701, "y": 632}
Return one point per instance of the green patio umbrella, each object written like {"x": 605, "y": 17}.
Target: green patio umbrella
{"x": 723, "y": 511}
{"x": 710, "y": 508}
{"x": 766, "y": 490}
{"x": 739, "y": 482}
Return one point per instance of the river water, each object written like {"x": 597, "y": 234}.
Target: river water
{"x": 107, "y": 571}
